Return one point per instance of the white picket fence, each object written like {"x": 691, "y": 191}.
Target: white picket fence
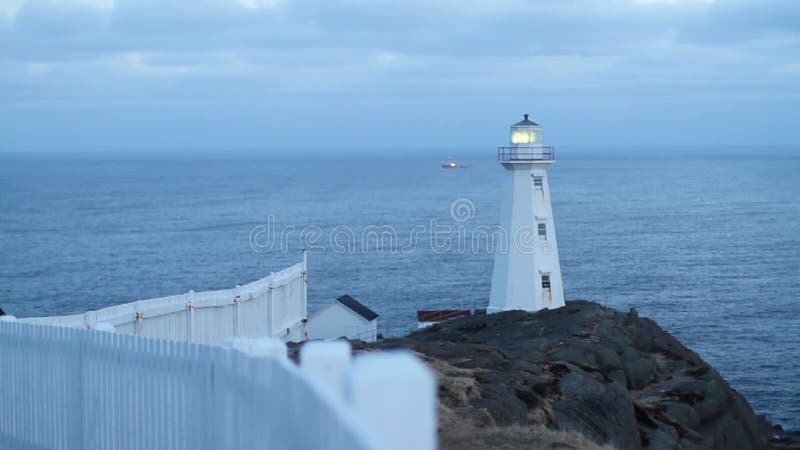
{"x": 275, "y": 306}
{"x": 73, "y": 388}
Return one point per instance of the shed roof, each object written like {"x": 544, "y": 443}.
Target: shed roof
{"x": 357, "y": 307}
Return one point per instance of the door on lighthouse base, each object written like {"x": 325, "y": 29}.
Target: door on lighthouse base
{"x": 547, "y": 294}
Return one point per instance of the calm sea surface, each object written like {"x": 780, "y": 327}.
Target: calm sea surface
{"x": 706, "y": 245}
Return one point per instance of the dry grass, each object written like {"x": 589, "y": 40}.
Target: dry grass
{"x": 462, "y": 427}
{"x": 513, "y": 437}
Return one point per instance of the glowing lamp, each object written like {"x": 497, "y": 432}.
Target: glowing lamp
{"x": 526, "y": 133}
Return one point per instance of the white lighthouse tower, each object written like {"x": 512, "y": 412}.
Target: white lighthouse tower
{"x": 527, "y": 272}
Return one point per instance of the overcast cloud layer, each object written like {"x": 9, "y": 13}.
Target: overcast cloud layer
{"x": 105, "y": 75}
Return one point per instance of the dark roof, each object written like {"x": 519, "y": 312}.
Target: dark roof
{"x": 437, "y": 315}
{"x": 357, "y": 307}
{"x": 525, "y": 123}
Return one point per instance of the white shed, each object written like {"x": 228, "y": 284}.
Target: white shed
{"x": 344, "y": 317}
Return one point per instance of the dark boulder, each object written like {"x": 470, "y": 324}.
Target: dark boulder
{"x": 600, "y": 411}
{"x": 640, "y": 372}
{"x": 616, "y": 378}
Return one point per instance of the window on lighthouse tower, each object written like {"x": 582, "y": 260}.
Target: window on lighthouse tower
{"x": 543, "y": 231}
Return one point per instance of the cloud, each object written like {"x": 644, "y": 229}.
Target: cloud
{"x": 55, "y": 19}
{"x": 474, "y": 55}
{"x": 768, "y": 15}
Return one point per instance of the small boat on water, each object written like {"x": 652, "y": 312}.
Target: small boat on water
{"x": 452, "y": 164}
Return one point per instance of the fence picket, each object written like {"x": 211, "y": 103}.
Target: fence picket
{"x": 132, "y": 386}
{"x": 276, "y": 302}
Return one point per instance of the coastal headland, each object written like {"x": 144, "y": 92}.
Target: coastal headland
{"x": 581, "y": 376}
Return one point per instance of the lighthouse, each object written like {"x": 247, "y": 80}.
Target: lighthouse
{"x": 527, "y": 272}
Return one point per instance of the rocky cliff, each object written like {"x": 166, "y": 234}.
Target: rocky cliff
{"x": 582, "y": 376}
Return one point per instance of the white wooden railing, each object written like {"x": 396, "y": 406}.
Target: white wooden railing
{"x": 273, "y": 306}
{"x": 75, "y": 388}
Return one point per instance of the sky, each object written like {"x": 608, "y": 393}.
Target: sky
{"x": 347, "y": 75}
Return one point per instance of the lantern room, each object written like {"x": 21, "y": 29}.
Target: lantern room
{"x": 526, "y": 133}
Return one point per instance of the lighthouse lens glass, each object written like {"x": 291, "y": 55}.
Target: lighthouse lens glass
{"x": 520, "y": 137}
{"x": 524, "y": 137}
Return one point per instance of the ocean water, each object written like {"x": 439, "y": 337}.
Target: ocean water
{"x": 704, "y": 242}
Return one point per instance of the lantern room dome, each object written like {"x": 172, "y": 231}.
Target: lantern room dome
{"x": 525, "y": 122}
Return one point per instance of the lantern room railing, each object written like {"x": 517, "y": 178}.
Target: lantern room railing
{"x": 526, "y": 153}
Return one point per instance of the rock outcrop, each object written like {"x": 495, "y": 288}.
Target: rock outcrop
{"x": 590, "y": 373}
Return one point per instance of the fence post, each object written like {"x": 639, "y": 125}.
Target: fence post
{"x": 77, "y": 344}
{"x": 236, "y": 300}
{"x": 190, "y": 318}
{"x": 305, "y": 283}
{"x": 326, "y": 363}
{"x": 270, "y": 304}
{"x": 393, "y": 394}
{"x": 138, "y": 317}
